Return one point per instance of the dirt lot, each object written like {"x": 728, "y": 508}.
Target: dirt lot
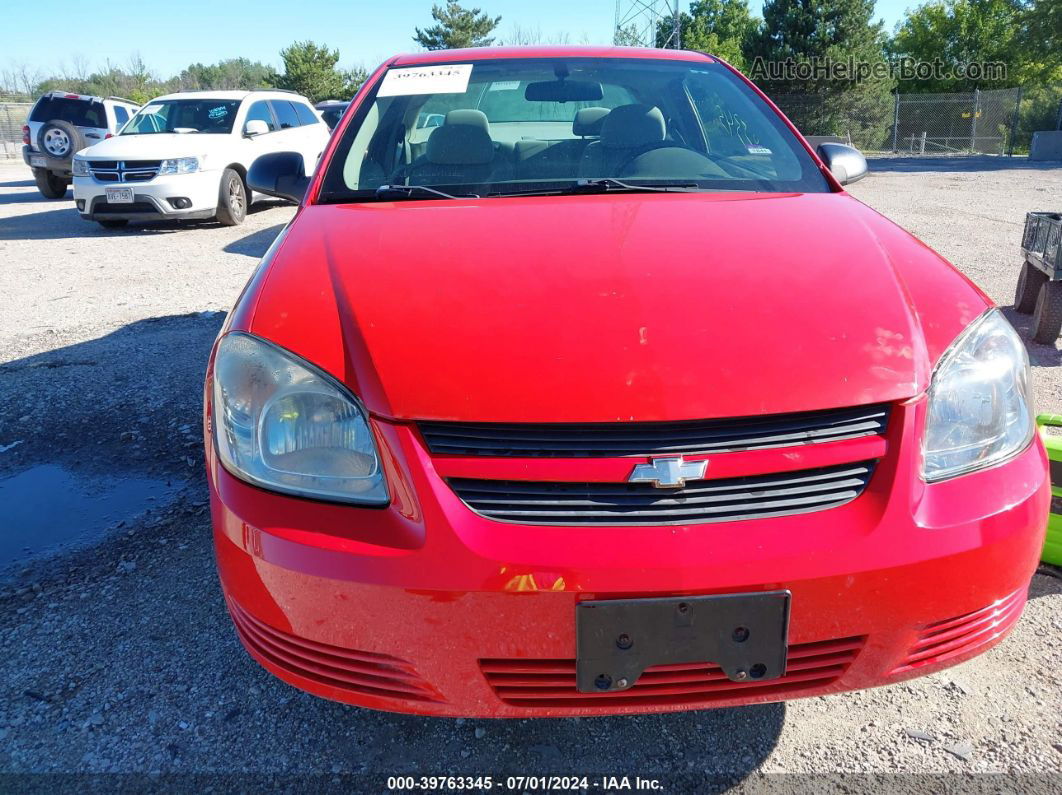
{"x": 116, "y": 654}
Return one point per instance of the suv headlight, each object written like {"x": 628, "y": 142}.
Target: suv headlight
{"x": 80, "y": 168}
{"x": 282, "y": 424}
{"x": 179, "y": 165}
{"x": 980, "y": 411}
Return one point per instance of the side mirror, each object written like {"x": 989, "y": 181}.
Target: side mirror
{"x": 846, "y": 163}
{"x": 280, "y": 174}
{"x": 255, "y": 127}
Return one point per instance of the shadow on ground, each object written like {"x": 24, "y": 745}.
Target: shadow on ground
{"x": 61, "y": 220}
{"x": 255, "y": 244}
{"x": 959, "y": 163}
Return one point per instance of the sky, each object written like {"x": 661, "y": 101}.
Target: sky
{"x": 171, "y": 35}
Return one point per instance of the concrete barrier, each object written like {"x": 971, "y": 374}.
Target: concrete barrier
{"x": 1046, "y": 145}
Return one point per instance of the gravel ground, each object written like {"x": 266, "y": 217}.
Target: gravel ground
{"x": 119, "y": 657}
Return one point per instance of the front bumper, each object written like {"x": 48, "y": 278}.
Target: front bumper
{"x": 152, "y": 200}
{"x": 426, "y": 607}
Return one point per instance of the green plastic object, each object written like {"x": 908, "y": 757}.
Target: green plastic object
{"x": 1053, "y": 442}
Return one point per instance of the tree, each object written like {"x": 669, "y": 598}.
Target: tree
{"x": 310, "y": 70}
{"x": 353, "y": 80}
{"x": 806, "y": 47}
{"x": 232, "y": 73}
{"x": 1024, "y": 38}
{"x": 718, "y": 27}
{"x": 457, "y": 27}
{"x": 628, "y": 37}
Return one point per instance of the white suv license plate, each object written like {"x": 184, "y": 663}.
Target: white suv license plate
{"x": 38, "y": 161}
{"x": 119, "y": 195}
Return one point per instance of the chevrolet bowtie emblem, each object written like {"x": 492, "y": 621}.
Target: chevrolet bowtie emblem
{"x": 668, "y": 473}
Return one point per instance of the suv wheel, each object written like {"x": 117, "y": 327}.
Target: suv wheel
{"x": 59, "y": 140}
{"x": 50, "y": 185}
{"x": 232, "y": 199}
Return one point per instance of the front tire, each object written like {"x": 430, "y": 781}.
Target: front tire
{"x": 114, "y": 223}
{"x": 1030, "y": 280}
{"x": 50, "y": 185}
{"x": 232, "y": 199}
{"x": 1047, "y": 317}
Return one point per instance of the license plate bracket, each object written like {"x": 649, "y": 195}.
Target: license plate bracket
{"x": 617, "y": 639}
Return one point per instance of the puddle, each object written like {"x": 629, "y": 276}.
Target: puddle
{"x": 46, "y": 508}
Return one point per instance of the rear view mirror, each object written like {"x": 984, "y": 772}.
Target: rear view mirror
{"x": 563, "y": 91}
{"x": 846, "y": 163}
{"x": 255, "y": 127}
{"x": 280, "y": 174}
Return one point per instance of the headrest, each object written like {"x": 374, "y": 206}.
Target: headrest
{"x": 471, "y": 118}
{"x": 633, "y": 125}
{"x": 460, "y": 145}
{"x": 588, "y": 121}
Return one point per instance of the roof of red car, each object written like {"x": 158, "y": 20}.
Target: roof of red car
{"x": 490, "y": 53}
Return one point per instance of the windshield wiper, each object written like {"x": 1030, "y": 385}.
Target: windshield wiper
{"x": 408, "y": 192}
{"x": 607, "y": 184}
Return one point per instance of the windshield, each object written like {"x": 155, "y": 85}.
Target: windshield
{"x": 511, "y": 126}
{"x": 184, "y": 116}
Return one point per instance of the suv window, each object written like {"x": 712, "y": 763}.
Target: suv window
{"x": 306, "y": 116}
{"x": 211, "y": 116}
{"x": 79, "y": 112}
{"x": 121, "y": 116}
{"x": 285, "y": 113}
{"x": 259, "y": 111}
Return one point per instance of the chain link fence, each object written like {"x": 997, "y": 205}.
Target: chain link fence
{"x": 12, "y": 116}
{"x": 999, "y": 122}
{"x": 979, "y": 122}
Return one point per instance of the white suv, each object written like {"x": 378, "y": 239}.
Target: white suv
{"x": 186, "y": 156}
{"x": 62, "y": 123}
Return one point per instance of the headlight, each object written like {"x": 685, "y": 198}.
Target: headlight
{"x": 80, "y": 168}
{"x": 179, "y": 165}
{"x": 980, "y": 411}
{"x": 284, "y": 425}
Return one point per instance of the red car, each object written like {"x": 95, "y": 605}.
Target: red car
{"x": 579, "y": 385}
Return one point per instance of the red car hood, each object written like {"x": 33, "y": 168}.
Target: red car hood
{"x": 605, "y": 308}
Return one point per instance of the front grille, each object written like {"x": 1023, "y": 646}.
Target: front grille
{"x": 124, "y": 170}
{"x": 567, "y": 440}
{"x": 551, "y": 683}
{"x": 726, "y": 499}
{"x": 942, "y": 640}
{"x": 359, "y": 672}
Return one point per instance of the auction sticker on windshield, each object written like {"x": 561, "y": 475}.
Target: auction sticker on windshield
{"x": 448, "y": 79}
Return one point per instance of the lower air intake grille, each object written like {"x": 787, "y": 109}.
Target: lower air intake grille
{"x": 615, "y": 439}
{"x": 943, "y": 640}
{"x": 726, "y": 499}
{"x": 361, "y": 672}
{"x": 551, "y": 683}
